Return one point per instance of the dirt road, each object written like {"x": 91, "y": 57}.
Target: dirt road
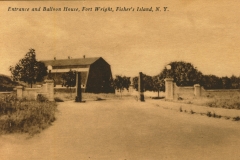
{"x": 126, "y": 130}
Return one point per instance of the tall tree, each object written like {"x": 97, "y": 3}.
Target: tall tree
{"x": 211, "y": 82}
{"x": 184, "y": 74}
{"x": 226, "y": 82}
{"x": 121, "y": 82}
{"x": 28, "y": 69}
{"x": 150, "y": 83}
{"x": 235, "y": 82}
{"x": 158, "y": 84}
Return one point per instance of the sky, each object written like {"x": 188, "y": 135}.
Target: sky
{"x": 206, "y": 34}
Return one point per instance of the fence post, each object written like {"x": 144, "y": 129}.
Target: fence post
{"x": 19, "y": 92}
{"x": 197, "y": 90}
{"x": 168, "y": 88}
{"x": 50, "y": 89}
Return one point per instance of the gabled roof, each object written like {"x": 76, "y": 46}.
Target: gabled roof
{"x": 69, "y": 62}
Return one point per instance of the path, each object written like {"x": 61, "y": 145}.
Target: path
{"x": 126, "y": 129}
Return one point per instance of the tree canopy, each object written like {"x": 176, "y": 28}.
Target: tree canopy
{"x": 69, "y": 79}
{"x": 150, "y": 83}
{"x": 185, "y": 74}
{"x": 28, "y": 69}
{"x": 121, "y": 82}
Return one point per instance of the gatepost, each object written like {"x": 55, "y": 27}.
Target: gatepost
{"x": 140, "y": 87}
{"x": 50, "y": 89}
{"x": 19, "y": 92}
{"x": 78, "y": 87}
{"x": 197, "y": 90}
{"x": 168, "y": 88}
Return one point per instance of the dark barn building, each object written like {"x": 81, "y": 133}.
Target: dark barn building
{"x": 95, "y": 73}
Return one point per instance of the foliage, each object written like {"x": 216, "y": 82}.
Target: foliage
{"x": 121, "y": 82}
{"x": 6, "y": 83}
{"x": 237, "y": 118}
{"x": 135, "y": 83}
{"x": 25, "y": 116}
{"x": 158, "y": 84}
{"x": 57, "y": 99}
{"x": 28, "y": 69}
{"x": 211, "y": 82}
{"x": 41, "y": 98}
{"x": 147, "y": 82}
{"x": 69, "y": 79}
{"x": 183, "y": 73}
{"x": 214, "y": 82}
{"x": 235, "y": 82}
{"x": 151, "y": 83}
{"x": 228, "y": 103}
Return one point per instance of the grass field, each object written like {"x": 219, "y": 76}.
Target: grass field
{"x": 24, "y": 116}
{"x": 228, "y": 100}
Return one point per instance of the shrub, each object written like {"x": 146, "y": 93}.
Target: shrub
{"x": 237, "y": 118}
{"x": 180, "y": 98}
{"x": 41, "y": 98}
{"x": 180, "y": 109}
{"x": 209, "y": 114}
{"x": 192, "y": 112}
{"x": 99, "y": 99}
{"x": 57, "y": 99}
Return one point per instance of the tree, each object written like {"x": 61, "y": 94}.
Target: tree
{"x": 150, "y": 83}
{"x": 28, "y": 69}
{"x": 69, "y": 79}
{"x": 235, "y": 82}
{"x": 147, "y": 83}
{"x": 184, "y": 74}
{"x": 135, "y": 83}
{"x": 211, "y": 82}
{"x": 120, "y": 83}
{"x": 226, "y": 82}
{"x": 158, "y": 84}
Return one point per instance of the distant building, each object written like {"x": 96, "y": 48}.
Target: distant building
{"x": 95, "y": 72}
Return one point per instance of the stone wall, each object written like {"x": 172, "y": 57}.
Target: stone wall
{"x": 220, "y": 92}
{"x": 177, "y": 92}
{"x": 172, "y": 91}
{"x": 183, "y": 92}
{"x": 46, "y": 90}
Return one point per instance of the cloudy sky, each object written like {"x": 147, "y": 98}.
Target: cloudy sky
{"x": 207, "y": 34}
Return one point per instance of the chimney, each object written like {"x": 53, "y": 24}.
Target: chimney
{"x": 83, "y": 56}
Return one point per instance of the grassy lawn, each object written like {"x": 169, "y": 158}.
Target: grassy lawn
{"x": 24, "y": 116}
{"x": 227, "y": 100}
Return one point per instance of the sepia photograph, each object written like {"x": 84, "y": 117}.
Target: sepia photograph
{"x": 120, "y": 80}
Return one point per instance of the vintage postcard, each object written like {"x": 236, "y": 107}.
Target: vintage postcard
{"x": 119, "y": 80}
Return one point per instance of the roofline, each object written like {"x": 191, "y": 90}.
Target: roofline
{"x": 69, "y": 59}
